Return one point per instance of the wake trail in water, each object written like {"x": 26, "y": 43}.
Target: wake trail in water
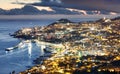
{"x": 12, "y": 52}
{"x": 20, "y": 65}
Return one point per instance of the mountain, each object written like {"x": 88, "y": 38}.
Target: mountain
{"x": 36, "y": 10}
{"x": 2, "y": 11}
{"x": 61, "y": 21}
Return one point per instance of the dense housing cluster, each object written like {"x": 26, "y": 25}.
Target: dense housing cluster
{"x": 92, "y": 46}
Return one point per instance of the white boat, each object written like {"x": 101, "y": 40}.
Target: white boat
{"x": 20, "y": 45}
{"x": 9, "y": 49}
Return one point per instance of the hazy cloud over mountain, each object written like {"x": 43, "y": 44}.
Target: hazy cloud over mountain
{"x": 60, "y": 7}
{"x": 109, "y": 5}
{"x": 112, "y": 5}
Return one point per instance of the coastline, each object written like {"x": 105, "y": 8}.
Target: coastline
{"x": 73, "y": 37}
{"x": 46, "y": 56}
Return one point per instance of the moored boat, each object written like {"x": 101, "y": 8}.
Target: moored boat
{"x": 49, "y": 50}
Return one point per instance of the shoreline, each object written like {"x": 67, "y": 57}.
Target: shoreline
{"x": 46, "y": 56}
{"x": 78, "y": 41}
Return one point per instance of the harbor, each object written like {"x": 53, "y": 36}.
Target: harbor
{"x": 59, "y": 37}
{"x": 87, "y": 47}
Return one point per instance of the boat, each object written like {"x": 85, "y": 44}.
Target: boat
{"x": 9, "y": 49}
{"x": 20, "y": 46}
{"x": 49, "y": 50}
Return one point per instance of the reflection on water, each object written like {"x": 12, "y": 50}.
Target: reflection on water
{"x": 29, "y": 49}
{"x": 42, "y": 49}
{"x": 20, "y": 58}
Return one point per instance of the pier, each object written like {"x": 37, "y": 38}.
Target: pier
{"x": 48, "y": 44}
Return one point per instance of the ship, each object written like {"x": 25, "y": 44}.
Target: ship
{"x": 10, "y": 48}
{"x": 20, "y": 45}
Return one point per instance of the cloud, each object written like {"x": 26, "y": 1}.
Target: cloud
{"x": 22, "y": 2}
{"x": 110, "y": 5}
{"x": 107, "y": 5}
{"x": 56, "y": 3}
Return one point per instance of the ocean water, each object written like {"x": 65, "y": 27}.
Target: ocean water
{"x": 19, "y": 59}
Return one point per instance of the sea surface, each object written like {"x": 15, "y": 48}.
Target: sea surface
{"x": 19, "y": 60}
